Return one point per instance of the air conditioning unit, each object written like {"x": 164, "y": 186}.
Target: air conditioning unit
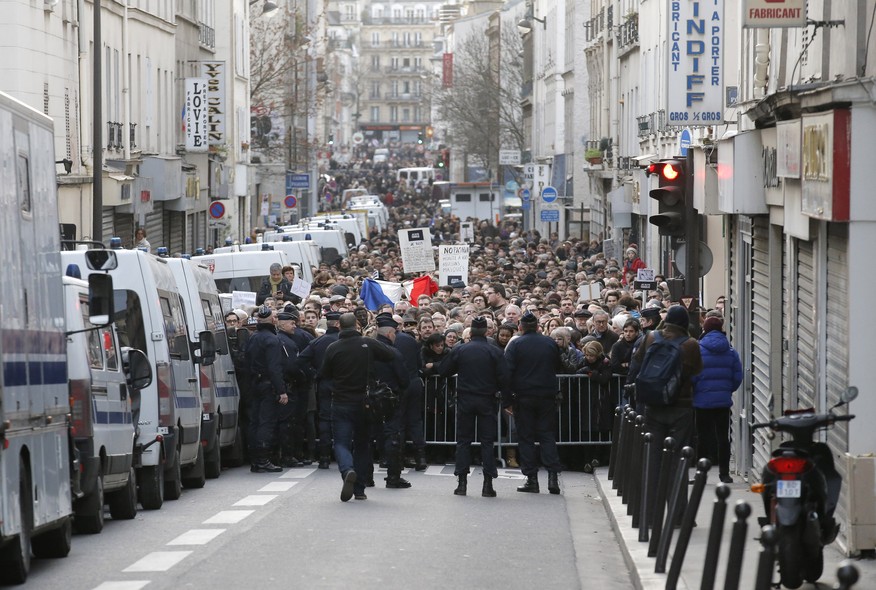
{"x": 862, "y": 502}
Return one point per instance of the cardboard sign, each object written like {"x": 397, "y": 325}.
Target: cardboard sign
{"x": 300, "y": 287}
{"x": 416, "y": 250}
{"x": 452, "y": 264}
{"x": 243, "y": 299}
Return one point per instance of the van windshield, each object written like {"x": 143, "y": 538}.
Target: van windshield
{"x": 128, "y": 318}
{"x": 239, "y": 284}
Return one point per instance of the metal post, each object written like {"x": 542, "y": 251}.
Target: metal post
{"x": 620, "y": 470}
{"x": 628, "y": 453}
{"x": 659, "y": 505}
{"x": 688, "y": 522}
{"x": 716, "y": 530}
{"x": 615, "y": 435}
{"x": 687, "y": 454}
{"x": 737, "y": 545}
{"x": 767, "y": 558}
{"x": 97, "y": 130}
{"x": 635, "y": 467}
{"x": 645, "y": 500}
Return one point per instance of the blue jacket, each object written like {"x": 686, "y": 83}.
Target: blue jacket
{"x": 534, "y": 361}
{"x": 721, "y": 375}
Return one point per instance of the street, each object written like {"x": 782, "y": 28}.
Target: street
{"x": 290, "y": 530}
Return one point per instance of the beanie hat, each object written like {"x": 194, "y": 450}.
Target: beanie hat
{"x": 677, "y": 315}
{"x": 713, "y": 323}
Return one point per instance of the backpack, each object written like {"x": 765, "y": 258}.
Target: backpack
{"x": 659, "y": 379}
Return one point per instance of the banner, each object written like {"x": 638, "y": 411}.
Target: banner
{"x": 416, "y": 250}
{"x": 214, "y": 73}
{"x": 196, "y": 115}
{"x": 452, "y": 265}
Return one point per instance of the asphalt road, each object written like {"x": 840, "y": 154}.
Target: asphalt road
{"x": 290, "y": 530}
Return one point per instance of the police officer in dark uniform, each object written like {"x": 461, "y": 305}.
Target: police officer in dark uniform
{"x": 310, "y": 360}
{"x": 238, "y": 336}
{"x": 395, "y": 375}
{"x": 482, "y": 374}
{"x": 286, "y": 415}
{"x": 264, "y": 356}
{"x": 414, "y": 400}
{"x": 347, "y": 365}
{"x": 534, "y": 361}
{"x": 303, "y": 427}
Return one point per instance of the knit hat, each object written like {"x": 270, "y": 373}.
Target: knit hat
{"x": 264, "y": 312}
{"x": 677, "y": 315}
{"x": 713, "y": 323}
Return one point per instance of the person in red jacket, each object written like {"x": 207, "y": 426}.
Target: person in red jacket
{"x": 632, "y": 263}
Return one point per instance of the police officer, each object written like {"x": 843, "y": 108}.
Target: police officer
{"x": 393, "y": 374}
{"x": 346, "y": 365}
{"x": 303, "y": 398}
{"x": 534, "y": 361}
{"x": 310, "y": 360}
{"x": 286, "y": 415}
{"x": 264, "y": 356}
{"x": 482, "y": 374}
{"x": 414, "y": 400}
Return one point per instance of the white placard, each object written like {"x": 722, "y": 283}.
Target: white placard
{"x": 416, "y": 250}
{"x": 214, "y": 73}
{"x": 509, "y": 157}
{"x": 646, "y": 275}
{"x": 196, "y": 115}
{"x": 301, "y": 288}
{"x": 243, "y": 299}
{"x": 772, "y": 14}
{"x": 466, "y": 231}
{"x": 788, "y": 148}
{"x": 452, "y": 264}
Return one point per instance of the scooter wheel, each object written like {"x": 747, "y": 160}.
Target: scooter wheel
{"x": 791, "y": 555}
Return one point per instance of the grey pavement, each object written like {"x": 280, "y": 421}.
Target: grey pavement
{"x": 642, "y": 567}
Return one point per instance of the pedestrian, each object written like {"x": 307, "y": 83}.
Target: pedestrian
{"x": 276, "y": 286}
{"x": 713, "y": 395}
{"x": 264, "y": 356}
{"x": 534, "y": 362}
{"x": 481, "y": 377}
{"x": 414, "y": 402}
{"x": 140, "y": 241}
{"x": 347, "y": 364}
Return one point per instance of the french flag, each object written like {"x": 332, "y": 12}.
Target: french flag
{"x": 377, "y": 293}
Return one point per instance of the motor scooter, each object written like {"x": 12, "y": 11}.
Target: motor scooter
{"x": 800, "y": 488}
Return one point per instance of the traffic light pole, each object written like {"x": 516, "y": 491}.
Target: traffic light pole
{"x": 691, "y": 234}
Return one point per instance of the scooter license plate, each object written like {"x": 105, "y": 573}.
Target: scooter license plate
{"x": 788, "y": 489}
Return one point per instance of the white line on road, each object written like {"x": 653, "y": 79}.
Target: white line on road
{"x": 228, "y": 517}
{"x": 158, "y": 561}
{"x": 130, "y": 585}
{"x": 437, "y": 470}
{"x": 254, "y": 500}
{"x": 197, "y": 537}
{"x": 298, "y": 473}
{"x": 279, "y": 486}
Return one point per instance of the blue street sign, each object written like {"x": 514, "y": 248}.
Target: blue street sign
{"x": 526, "y": 205}
{"x": 525, "y": 194}
{"x": 684, "y": 142}
{"x": 548, "y": 194}
{"x": 550, "y": 214}
{"x": 217, "y": 210}
{"x": 294, "y": 181}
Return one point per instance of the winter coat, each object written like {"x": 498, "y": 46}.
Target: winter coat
{"x": 721, "y": 375}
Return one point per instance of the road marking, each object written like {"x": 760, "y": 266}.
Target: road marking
{"x": 197, "y": 537}
{"x": 158, "y": 561}
{"x": 437, "y": 470}
{"x": 298, "y": 473}
{"x": 279, "y": 486}
{"x": 254, "y": 500}
{"x": 130, "y": 585}
{"x": 228, "y": 517}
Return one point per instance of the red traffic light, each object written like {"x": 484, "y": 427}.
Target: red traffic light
{"x": 670, "y": 172}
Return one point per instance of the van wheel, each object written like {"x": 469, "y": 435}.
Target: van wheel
{"x": 150, "y": 481}
{"x": 89, "y": 510}
{"x": 234, "y": 454}
{"x": 15, "y": 556}
{"x": 196, "y": 476}
{"x": 123, "y": 503}
{"x": 213, "y": 461}
{"x": 173, "y": 479}
{"x": 56, "y": 542}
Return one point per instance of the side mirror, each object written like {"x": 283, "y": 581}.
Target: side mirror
{"x": 208, "y": 347}
{"x": 100, "y": 299}
{"x": 850, "y": 394}
{"x": 138, "y": 369}
{"x": 101, "y": 259}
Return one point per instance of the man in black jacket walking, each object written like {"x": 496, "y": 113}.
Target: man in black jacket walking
{"x": 347, "y": 364}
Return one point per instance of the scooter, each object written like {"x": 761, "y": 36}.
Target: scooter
{"x": 800, "y": 488}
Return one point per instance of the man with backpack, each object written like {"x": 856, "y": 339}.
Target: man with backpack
{"x": 667, "y": 360}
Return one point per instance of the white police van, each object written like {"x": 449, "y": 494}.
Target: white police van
{"x": 104, "y": 383}
{"x": 303, "y": 255}
{"x": 331, "y": 240}
{"x": 242, "y": 271}
{"x": 149, "y": 316}
{"x": 220, "y": 395}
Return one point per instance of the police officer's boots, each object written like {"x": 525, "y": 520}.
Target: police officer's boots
{"x": 462, "y": 486}
{"x": 531, "y": 485}
{"x": 324, "y": 460}
{"x": 421, "y": 460}
{"x": 488, "y": 491}
{"x": 553, "y": 482}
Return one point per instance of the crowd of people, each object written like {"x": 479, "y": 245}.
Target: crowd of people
{"x": 533, "y": 307}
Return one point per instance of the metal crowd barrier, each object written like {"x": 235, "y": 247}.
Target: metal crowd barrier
{"x": 585, "y": 411}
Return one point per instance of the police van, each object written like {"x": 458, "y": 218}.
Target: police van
{"x": 331, "y": 240}
{"x": 220, "y": 395}
{"x": 104, "y": 382}
{"x": 303, "y": 255}
{"x": 149, "y": 316}
{"x": 242, "y": 271}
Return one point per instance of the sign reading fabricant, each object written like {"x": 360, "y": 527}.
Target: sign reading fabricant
{"x": 695, "y": 80}
{"x": 214, "y": 73}
{"x": 416, "y": 250}
{"x": 196, "y": 115}
{"x": 773, "y": 13}
{"x": 452, "y": 264}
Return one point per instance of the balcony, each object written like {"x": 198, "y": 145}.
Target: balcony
{"x": 595, "y": 26}
{"x": 207, "y": 36}
{"x": 628, "y": 34}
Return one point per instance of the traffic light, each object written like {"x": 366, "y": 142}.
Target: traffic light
{"x": 672, "y": 196}
{"x": 331, "y": 139}
{"x": 420, "y": 138}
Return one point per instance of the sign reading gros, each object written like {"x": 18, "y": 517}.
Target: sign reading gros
{"x": 695, "y": 87}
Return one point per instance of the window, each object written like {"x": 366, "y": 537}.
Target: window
{"x": 375, "y": 89}
{"x": 406, "y": 114}
{"x": 23, "y": 174}
{"x": 406, "y": 87}
{"x": 394, "y": 63}
{"x": 485, "y": 197}
{"x": 375, "y": 39}
{"x": 395, "y": 88}
{"x": 393, "y": 114}
{"x": 129, "y": 320}
{"x": 375, "y": 63}
{"x": 406, "y": 62}
{"x": 375, "y": 114}
{"x": 174, "y": 326}
{"x": 349, "y": 12}
{"x": 418, "y": 39}
{"x": 463, "y": 198}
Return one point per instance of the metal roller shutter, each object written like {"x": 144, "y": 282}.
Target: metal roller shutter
{"x": 124, "y": 228}
{"x": 155, "y": 226}
{"x": 837, "y": 351}
{"x": 190, "y": 232}
{"x": 174, "y": 230}
{"x": 807, "y": 329}
{"x": 108, "y": 216}
{"x": 761, "y": 325}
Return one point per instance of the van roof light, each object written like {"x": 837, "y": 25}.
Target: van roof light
{"x": 116, "y": 243}
{"x": 162, "y": 252}
{"x": 73, "y": 271}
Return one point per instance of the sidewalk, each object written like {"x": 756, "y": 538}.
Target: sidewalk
{"x": 642, "y": 567}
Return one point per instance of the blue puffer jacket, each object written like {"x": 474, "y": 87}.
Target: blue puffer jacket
{"x": 722, "y": 372}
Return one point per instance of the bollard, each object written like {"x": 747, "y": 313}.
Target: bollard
{"x": 620, "y": 470}
{"x": 645, "y": 499}
{"x": 737, "y": 545}
{"x": 636, "y": 468}
{"x": 628, "y": 455}
{"x": 634, "y": 483}
{"x": 658, "y": 507}
{"x": 767, "y": 559}
{"x": 847, "y": 574}
{"x": 615, "y": 434}
{"x": 716, "y": 530}
{"x": 623, "y": 458}
{"x": 669, "y": 526}
{"x": 687, "y": 522}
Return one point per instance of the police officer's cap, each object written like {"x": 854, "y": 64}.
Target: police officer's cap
{"x": 651, "y": 313}
{"x": 384, "y": 320}
{"x": 264, "y": 312}
{"x": 582, "y": 313}
{"x": 529, "y": 318}
{"x": 285, "y": 315}
{"x": 333, "y": 316}
{"x": 479, "y": 322}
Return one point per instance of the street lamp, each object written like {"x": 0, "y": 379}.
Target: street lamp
{"x": 268, "y": 8}
{"x": 524, "y": 25}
